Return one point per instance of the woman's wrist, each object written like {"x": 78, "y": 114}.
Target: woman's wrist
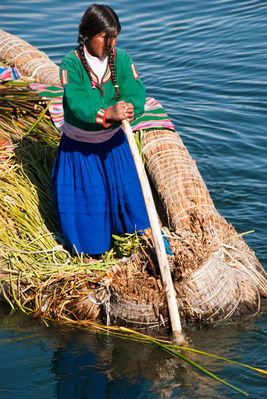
{"x": 110, "y": 113}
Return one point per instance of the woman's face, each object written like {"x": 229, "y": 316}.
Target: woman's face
{"x": 97, "y": 45}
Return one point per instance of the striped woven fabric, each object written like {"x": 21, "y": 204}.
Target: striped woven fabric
{"x": 154, "y": 116}
{"x": 55, "y": 93}
{"x": 9, "y": 74}
{"x": 44, "y": 90}
{"x": 56, "y": 112}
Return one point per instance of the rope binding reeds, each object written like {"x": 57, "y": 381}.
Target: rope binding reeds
{"x": 34, "y": 64}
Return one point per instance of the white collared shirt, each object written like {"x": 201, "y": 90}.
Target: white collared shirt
{"x": 97, "y": 64}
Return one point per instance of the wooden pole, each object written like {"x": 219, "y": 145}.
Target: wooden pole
{"x": 156, "y": 232}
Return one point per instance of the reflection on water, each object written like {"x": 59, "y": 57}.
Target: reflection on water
{"x": 205, "y": 61}
{"x": 74, "y": 363}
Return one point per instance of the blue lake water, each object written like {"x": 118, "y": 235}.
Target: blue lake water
{"x": 205, "y": 61}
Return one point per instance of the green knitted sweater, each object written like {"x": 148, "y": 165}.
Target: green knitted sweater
{"x": 84, "y": 107}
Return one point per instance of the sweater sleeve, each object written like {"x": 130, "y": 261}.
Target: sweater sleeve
{"x": 80, "y": 99}
{"x": 131, "y": 87}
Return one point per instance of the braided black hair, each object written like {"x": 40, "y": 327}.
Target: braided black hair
{"x": 80, "y": 50}
{"x": 111, "y": 61}
{"x": 99, "y": 18}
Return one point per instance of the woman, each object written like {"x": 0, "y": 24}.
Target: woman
{"x": 95, "y": 187}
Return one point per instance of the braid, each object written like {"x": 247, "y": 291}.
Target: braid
{"x": 113, "y": 73}
{"x": 85, "y": 64}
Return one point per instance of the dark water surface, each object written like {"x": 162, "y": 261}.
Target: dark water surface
{"x": 205, "y": 61}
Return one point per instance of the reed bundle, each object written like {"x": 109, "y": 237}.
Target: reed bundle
{"x": 220, "y": 276}
{"x": 31, "y": 62}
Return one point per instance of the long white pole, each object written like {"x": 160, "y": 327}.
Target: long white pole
{"x": 156, "y": 231}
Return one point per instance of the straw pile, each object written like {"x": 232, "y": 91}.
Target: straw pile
{"x": 216, "y": 275}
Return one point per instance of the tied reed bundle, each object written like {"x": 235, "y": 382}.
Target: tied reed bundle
{"x": 34, "y": 64}
{"x": 217, "y": 276}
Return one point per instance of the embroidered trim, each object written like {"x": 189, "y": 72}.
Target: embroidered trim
{"x": 64, "y": 76}
{"x": 77, "y": 55}
{"x": 134, "y": 71}
{"x": 107, "y": 76}
{"x": 101, "y": 117}
{"x": 94, "y": 77}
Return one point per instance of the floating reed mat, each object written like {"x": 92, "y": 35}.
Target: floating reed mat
{"x": 216, "y": 275}
{"x": 31, "y": 62}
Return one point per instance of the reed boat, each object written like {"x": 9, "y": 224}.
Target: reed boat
{"x": 216, "y": 275}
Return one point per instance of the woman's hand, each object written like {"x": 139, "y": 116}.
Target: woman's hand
{"x": 120, "y": 111}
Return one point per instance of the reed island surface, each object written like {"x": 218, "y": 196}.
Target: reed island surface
{"x": 216, "y": 275}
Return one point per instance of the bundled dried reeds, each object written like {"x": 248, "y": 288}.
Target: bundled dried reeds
{"x": 31, "y": 62}
{"x": 219, "y": 275}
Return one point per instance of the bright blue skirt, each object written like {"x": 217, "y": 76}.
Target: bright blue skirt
{"x": 96, "y": 193}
